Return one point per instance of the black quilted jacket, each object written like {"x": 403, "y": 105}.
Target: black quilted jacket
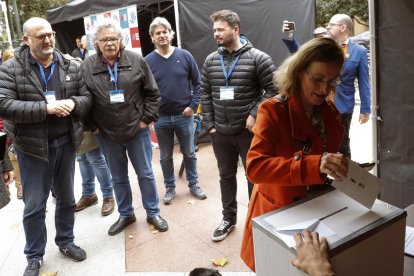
{"x": 252, "y": 82}
{"x": 23, "y": 105}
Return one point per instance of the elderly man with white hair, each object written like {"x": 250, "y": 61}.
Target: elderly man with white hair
{"x": 125, "y": 101}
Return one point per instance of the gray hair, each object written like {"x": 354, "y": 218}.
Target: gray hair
{"x": 106, "y": 24}
{"x": 160, "y": 21}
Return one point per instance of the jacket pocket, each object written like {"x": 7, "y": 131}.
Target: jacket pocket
{"x": 263, "y": 205}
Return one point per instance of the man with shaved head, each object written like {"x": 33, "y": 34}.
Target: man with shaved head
{"x": 42, "y": 96}
{"x": 355, "y": 67}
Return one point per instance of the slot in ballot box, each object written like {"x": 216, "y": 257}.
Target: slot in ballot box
{"x": 361, "y": 241}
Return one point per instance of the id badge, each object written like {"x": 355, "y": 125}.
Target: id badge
{"x": 50, "y": 96}
{"x": 227, "y": 93}
{"x": 117, "y": 96}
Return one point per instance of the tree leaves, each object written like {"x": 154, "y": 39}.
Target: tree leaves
{"x": 356, "y": 9}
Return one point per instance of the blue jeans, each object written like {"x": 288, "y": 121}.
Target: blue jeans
{"x": 38, "y": 177}
{"x": 183, "y": 127}
{"x": 93, "y": 164}
{"x": 139, "y": 151}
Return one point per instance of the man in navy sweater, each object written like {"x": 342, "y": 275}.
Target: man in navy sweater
{"x": 178, "y": 79}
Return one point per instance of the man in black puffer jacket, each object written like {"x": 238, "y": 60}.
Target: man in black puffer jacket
{"x": 42, "y": 96}
{"x": 235, "y": 80}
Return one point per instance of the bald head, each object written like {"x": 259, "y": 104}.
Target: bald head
{"x": 35, "y": 22}
{"x": 339, "y": 27}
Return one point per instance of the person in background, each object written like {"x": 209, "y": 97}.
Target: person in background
{"x": 42, "y": 97}
{"x": 320, "y": 32}
{"x": 288, "y": 29}
{"x": 312, "y": 254}
{"x": 297, "y": 134}
{"x": 236, "y": 79}
{"x": 81, "y": 50}
{"x": 92, "y": 164}
{"x": 125, "y": 101}
{"x": 355, "y": 67}
{"x": 6, "y": 172}
{"x": 8, "y": 54}
{"x": 179, "y": 102}
{"x": 201, "y": 271}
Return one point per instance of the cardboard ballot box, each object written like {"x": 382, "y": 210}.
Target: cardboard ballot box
{"x": 361, "y": 241}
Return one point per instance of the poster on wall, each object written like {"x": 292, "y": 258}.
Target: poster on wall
{"x": 127, "y": 20}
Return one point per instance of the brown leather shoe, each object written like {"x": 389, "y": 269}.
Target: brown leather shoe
{"x": 86, "y": 201}
{"x": 19, "y": 192}
{"x": 108, "y": 206}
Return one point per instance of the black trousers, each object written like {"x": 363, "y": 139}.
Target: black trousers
{"x": 345, "y": 147}
{"x": 227, "y": 149}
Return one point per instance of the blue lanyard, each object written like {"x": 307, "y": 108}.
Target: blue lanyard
{"x": 43, "y": 76}
{"x": 82, "y": 54}
{"x": 233, "y": 64}
{"x": 114, "y": 74}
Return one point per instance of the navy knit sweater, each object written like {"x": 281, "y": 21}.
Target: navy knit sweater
{"x": 178, "y": 79}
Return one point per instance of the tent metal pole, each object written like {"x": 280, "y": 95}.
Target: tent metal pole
{"x": 177, "y": 23}
{"x": 375, "y": 119}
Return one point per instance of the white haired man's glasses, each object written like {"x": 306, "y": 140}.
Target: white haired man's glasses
{"x": 109, "y": 39}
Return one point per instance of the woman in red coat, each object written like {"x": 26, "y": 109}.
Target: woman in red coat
{"x": 297, "y": 134}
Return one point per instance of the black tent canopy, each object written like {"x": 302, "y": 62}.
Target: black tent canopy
{"x": 80, "y": 8}
{"x": 67, "y": 20}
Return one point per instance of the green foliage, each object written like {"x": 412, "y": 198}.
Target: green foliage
{"x": 356, "y": 9}
{"x": 31, "y": 8}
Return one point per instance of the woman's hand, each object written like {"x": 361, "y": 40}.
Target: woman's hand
{"x": 335, "y": 165}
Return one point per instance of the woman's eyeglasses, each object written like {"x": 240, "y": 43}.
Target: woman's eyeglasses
{"x": 318, "y": 80}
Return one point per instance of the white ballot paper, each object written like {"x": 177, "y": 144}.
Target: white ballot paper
{"x": 286, "y": 233}
{"x": 360, "y": 185}
{"x": 409, "y": 241}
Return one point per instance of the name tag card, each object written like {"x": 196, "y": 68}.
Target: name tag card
{"x": 227, "y": 93}
{"x": 117, "y": 96}
{"x": 50, "y": 96}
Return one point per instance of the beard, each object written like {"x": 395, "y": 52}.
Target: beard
{"x": 226, "y": 42}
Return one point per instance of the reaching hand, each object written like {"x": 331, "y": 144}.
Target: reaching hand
{"x": 312, "y": 254}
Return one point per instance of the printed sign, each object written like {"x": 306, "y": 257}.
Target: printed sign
{"x": 126, "y": 18}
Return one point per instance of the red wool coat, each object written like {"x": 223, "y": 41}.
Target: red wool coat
{"x": 276, "y": 163}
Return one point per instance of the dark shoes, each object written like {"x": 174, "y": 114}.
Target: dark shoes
{"x": 86, "y": 201}
{"x": 121, "y": 224}
{"x": 169, "y": 195}
{"x": 32, "y": 268}
{"x": 108, "y": 206}
{"x": 194, "y": 190}
{"x": 74, "y": 252}
{"x": 223, "y": 230}
{"x": 197, "y": 192}
{"x": 159, "y": 223}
